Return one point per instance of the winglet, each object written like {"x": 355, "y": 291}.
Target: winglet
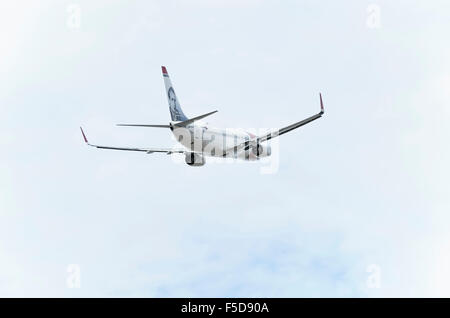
{"x": 321, "y": 104}
{"x": 84, "y": 136}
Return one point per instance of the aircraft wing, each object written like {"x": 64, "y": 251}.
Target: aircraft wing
{"x": 246, "y": 145}
{"x": 146, "y": 150}
{"x": 293, "y": 126}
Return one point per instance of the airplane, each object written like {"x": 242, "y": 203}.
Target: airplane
{"x": 199, "y": 140}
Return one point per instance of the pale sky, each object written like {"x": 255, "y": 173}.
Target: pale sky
{"x": 359, "y": 205}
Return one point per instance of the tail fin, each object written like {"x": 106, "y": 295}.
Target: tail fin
{"x": 174, "y": 106}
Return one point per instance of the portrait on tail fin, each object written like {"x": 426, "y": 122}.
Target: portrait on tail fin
{"x": 175, "y": 111}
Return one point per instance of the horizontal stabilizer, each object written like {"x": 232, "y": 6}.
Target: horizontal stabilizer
{"x": 139, "y": 125}
{"x": 190, "y": 121}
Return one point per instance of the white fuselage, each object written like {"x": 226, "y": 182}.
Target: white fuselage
{"x": 215, "y": 142}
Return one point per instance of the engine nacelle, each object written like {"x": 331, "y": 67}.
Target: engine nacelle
{"x": 194, "y": 160}
{"x": 261, "y": 151}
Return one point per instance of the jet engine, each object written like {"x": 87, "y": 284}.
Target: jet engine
{"x": 194, "y": 160}
{"x": 261, "y": 151}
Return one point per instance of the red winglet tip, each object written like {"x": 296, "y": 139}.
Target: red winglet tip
{"x": 164, "y": 70}
{"x": 84, "y": 136}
